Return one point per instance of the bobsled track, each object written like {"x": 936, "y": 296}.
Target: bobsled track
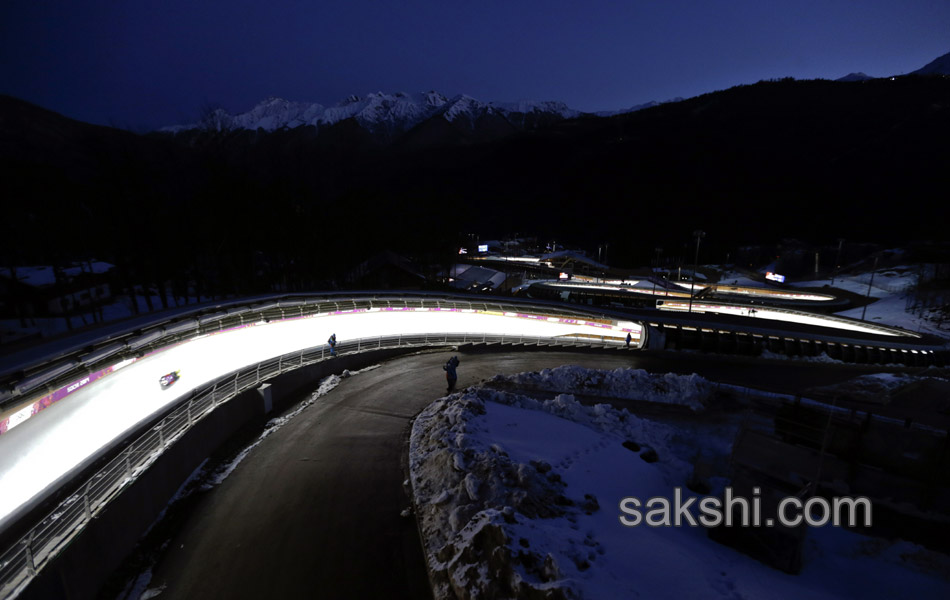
{"x": 90, "y": 428}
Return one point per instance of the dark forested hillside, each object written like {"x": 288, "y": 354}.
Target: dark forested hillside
{"x": 808, "y": 159}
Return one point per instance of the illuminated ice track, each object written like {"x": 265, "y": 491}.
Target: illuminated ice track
{"x": 762, "y": 312}
{"x": 52, "y": 442}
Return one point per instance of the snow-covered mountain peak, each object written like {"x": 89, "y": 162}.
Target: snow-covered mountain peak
{"x": 433, "y": 98}
{"x": 391, "y": 112}
{"x": 464, "y": 105}
{"x": 531, "y": 106}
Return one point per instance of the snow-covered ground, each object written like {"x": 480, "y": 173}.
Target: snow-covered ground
{"x": 890, "y": 289}
{"x": 518, "y": 497}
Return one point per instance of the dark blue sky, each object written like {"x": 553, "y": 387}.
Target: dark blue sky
{"x": 144, "y": 64}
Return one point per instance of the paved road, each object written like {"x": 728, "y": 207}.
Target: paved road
{"x": 313, "y": 511}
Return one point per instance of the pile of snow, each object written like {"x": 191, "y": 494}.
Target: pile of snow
{"x": 517, "y": 497}
{"x": 819, "y": 358}
{"x": 497, "y": 521}
{"x": 630, "y": 384}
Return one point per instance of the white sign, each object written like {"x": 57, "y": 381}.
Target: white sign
{"x": 775, "y": 277}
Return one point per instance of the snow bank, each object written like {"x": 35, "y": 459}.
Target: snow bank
{"x": 497, "y": 522}
{"x": 629, "y": 384}
{"x": 518, "y": 497}
{"x": 820, "y": 358}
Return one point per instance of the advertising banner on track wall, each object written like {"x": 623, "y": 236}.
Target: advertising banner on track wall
{"x": 14, "y": 419}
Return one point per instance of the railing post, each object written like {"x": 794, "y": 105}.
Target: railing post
{"x": 128, "y": 464}
{"x": 28, "y": 548}
{"x": 258, "y": 373}
{"x": 85, "y": 502}
{"x": 191, "y": 420}
{"x": 161, "y": 436}
{"x": 357, "y": 345}
{"x": 214, "y": 395}
{"x": 280, "y": 362}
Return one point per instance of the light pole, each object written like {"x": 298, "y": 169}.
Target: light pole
{"x": 834, "y": 269}
{"x": 656, "y": 265}
{"x": 867, "y": 297}
{"x": 692, "y": 291}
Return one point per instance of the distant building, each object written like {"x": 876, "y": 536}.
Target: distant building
{"x": 471, "y": 278}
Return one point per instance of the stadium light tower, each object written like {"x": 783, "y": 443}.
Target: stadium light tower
{"x": 692, "y": 291}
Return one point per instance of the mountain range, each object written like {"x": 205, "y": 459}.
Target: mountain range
{"x": 310, "y": 190}
{"x": 938, "y": 66}
{"x": 379, "y": 113}
{"x": 388, "y": 117}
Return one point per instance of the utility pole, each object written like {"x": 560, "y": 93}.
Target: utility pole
{"x": 868, "y": 296}
{"x": 692, "y": 292}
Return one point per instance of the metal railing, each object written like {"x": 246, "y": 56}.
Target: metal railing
{"x": 62, "y": 367}
{"x": 22, "y": 561}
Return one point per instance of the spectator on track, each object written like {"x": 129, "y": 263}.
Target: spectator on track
{"x": 332, "y": 343}
{"x": 629, "y": 337}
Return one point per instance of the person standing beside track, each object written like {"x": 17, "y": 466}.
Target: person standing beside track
{"x": 450, "y": 375}
{"x": 332, "y": 343}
